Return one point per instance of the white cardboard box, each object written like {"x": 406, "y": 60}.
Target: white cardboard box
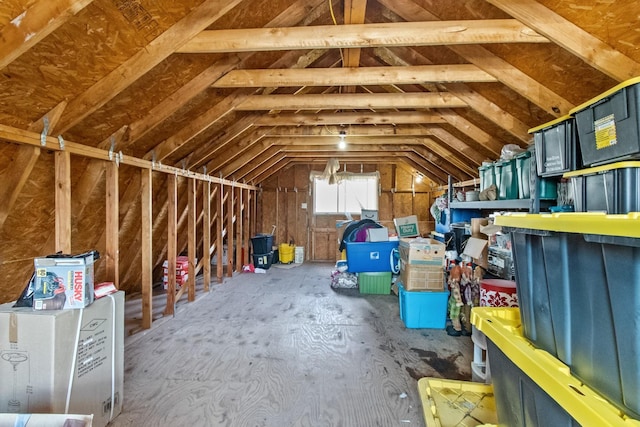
{"x": 63, "y": 361}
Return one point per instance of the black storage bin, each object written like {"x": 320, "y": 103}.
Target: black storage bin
{"x": 520, "y": 402}
{"x": 609, "y": 124}
{"x": 613, "y": 188}
{"x": 578, "y": 295}
{"x": 263, "y": 260}
{"x": 262, "y": 243}
{"x": 557, "y": 148}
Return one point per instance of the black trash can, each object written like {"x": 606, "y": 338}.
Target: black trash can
{"x": 262, "y": 243}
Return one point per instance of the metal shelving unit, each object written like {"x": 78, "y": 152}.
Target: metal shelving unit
{"x": 532, "y": 204}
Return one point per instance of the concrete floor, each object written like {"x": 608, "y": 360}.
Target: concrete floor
{"x": 284, "y": 349}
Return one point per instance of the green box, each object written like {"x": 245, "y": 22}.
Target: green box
{"x": 375, "y": 283}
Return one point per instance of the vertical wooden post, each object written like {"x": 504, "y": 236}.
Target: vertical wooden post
{"x": 245, "y": 226}
{"x": 146, "y": 197}
{"x": 191, "y": 239}
{"x": 256, "y": 213}
{"x": 230, "y": 242}
{"x": 172, "y": 243}
{"x": 63, "y": 201}
{"x": 239, "y": 224}
{"x": 206, "y": 234}
{"x": 112, "y": 256}
{"x": 220, "y": 233}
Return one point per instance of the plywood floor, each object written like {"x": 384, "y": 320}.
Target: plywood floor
{"x": 284, "y": 349}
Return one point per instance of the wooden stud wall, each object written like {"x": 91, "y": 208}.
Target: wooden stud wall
{"x": 162, "y": 215}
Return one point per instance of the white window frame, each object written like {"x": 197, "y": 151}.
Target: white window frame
{"x": 349, "y": 197}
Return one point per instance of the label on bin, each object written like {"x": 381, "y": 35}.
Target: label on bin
{"x": 374, "y": 255}
{"x": 605, "y": 132}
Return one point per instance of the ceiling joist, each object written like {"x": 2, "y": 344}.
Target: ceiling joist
{"x": 354, "y": 76}
{"x": 355, "y": 101}
{"x": 346, "y": 118}
{"x": 362, "y": 35}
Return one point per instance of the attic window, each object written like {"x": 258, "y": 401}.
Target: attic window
{"x": 350, "y": 194}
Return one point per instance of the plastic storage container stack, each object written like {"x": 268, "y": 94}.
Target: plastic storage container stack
{"x": 531, "y": 387}
{"x": 262, "y": 245}
{"x": 577, "y": 280}
{"x": 374, "y": 262}
{"x": 608, "y": 136}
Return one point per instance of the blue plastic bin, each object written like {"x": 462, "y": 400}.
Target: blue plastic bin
{"x": 370, "y": 256}
{"x": 423, "y": 309}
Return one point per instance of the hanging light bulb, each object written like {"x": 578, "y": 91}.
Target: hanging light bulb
{"x": 342, "y": 144}
{"x": 419, "y": 178}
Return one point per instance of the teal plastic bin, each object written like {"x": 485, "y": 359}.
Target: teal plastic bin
{"x": 487, "y": 176}
{"x": 523, "y": 169}
{"x": 506, "y": 177}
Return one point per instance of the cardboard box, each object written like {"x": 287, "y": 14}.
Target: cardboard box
{"x": 422, "y": 251}
{"x": 47, "y": 357}
{"x": 481, "y": 258}
{"x": 65, "y": 282}
{"x": 477, "y": 249}
{"x": 417, "y": 277}
{"x": 407, "y": 226}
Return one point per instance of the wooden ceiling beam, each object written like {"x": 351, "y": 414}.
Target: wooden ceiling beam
{"x": 346, "y": 118}
{"x": 34, "y": 24}
{"x": 354, "y": 132}
{"x": 429, "y": 33}
{"x": 143, "y": 61}
{"x": 355, "y": 101}
{"x": 569, "y": 36}
{"x": 363, "y": 76}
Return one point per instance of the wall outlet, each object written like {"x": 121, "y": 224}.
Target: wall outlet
{"x": 303, "y": 206}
